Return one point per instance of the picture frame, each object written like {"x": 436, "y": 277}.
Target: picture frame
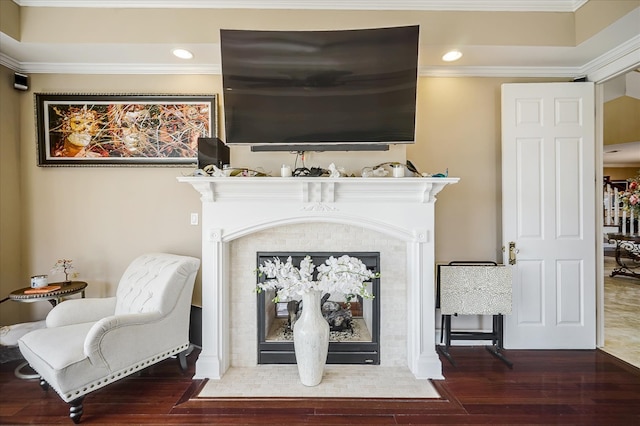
{"x": 122, "y": 129}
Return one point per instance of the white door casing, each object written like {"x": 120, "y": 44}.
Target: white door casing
{"x": 548, "y": 207}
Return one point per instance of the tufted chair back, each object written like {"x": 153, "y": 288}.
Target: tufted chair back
{"x": 149, "y": 284}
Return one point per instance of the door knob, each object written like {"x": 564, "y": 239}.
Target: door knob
{"x": 512, "y": 252}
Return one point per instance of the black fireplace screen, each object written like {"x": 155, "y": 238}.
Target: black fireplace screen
{"x": 355, "y": 325}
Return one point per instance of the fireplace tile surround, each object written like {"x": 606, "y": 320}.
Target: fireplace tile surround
{"x": 244, "y": 215}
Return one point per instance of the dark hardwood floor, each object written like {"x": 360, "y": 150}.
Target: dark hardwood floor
{"x": 544, "y": 387}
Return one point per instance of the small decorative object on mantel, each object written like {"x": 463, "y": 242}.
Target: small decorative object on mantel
{"x": 392, "y": 168}
{"x": 212, "y": 170}
{"x": 65, "y": 266}
{"x": 285, "y": 171}
{"x": 334, "y": 171}
{"x": 437, "y": 175}
{"x": 345, "y": 275}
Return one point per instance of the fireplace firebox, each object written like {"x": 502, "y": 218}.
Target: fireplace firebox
{"x": 356, "y": 342}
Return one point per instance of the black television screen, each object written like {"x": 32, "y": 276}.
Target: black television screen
{"x": 320, "y": 90}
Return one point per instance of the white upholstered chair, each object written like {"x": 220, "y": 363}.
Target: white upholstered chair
{"x": 90, "y": 343}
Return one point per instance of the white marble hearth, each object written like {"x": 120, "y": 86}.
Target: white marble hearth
{"x": 242, "y": 215}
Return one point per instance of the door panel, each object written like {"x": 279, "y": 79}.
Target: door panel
{"x": 530, "y": 188}
{"x": 548, "y": 162}
{"x": 530, "y": 292}
{"x": 570, "y": 289}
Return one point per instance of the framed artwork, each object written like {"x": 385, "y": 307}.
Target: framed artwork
{"x": 122, "y": 130}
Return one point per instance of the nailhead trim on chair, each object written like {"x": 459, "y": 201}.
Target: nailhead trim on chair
{"x": 122, "y": 373}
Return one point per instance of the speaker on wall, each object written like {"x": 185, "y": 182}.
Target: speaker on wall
{"x": 212, "y": 151}
{"x": 20, "y": 81}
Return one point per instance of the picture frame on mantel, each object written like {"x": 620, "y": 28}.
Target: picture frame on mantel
{"x": 122, "y": 129}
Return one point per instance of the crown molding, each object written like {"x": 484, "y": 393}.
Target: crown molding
{"x": 213, "y": 69}
{"x": 10, "y": 63}
{"x": 616, "y": 62}
{"x": 98, "y": 68}
{"x": 488, "y": 71}
{"x": 461, "y": 5}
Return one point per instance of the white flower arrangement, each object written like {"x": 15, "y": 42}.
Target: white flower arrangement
{"x": 345, "y": 275}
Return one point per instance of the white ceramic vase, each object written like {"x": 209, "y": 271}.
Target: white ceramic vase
{"x": 311, "y": 340}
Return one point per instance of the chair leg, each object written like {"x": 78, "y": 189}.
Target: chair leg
{"x": 43, "y": 384}
{"x": 182, "y": 359}
{"x": 75, "y": 410}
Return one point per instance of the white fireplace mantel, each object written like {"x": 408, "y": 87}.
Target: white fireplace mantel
{"x": 233, "y": 207}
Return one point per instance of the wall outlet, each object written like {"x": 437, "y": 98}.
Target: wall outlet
{"x": 194, "y": 218}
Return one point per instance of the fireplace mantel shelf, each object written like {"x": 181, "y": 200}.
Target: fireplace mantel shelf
{"x": 318, "y": 189}
{"x": 401, "y": 208}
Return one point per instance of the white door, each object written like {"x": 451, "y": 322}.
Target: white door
{"x": 548, "y": 208}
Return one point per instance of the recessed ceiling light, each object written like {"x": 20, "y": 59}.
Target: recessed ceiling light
{"x": 182, "y": 53}
{"x": 452, "y": 55}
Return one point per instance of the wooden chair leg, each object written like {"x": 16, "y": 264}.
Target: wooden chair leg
{"x": 182, "y": 358}
{"x": 75, "y": 410}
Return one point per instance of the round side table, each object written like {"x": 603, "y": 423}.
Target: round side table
{"x": 54, "y": 297}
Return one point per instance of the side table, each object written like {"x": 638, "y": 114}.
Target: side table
{"x": 53, "y": 297}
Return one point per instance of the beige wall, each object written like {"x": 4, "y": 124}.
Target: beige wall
{"x": 42, "y": 24}
{"x": 10, "y": 199}
{"x": 621, "y": 122}
{"x": 10, "y": 19}
{"x": 596, "y": 15}
{"x": 102, "y": 217}
{"x": 202, "y": 25}
{"x": 621, "y": 173}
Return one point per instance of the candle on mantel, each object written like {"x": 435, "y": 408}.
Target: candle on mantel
{"x": 624, "y": 221}
{"x": 632, "y": 227}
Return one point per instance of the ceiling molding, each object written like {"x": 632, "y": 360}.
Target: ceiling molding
{"x": 623, "y": 59}
{"x": 10, "y": 63}
{"x": 629, "y": 46}
{"x": 492, "y": 71}
{"x": 449, "y": 71}
{"x": 470, "y": 5}
{"x": 102, "y": 68}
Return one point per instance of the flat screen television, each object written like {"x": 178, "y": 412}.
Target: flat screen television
{"x": 320, "y": 90}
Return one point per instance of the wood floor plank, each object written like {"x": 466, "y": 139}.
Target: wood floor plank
{"x": 544, "y": 387}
